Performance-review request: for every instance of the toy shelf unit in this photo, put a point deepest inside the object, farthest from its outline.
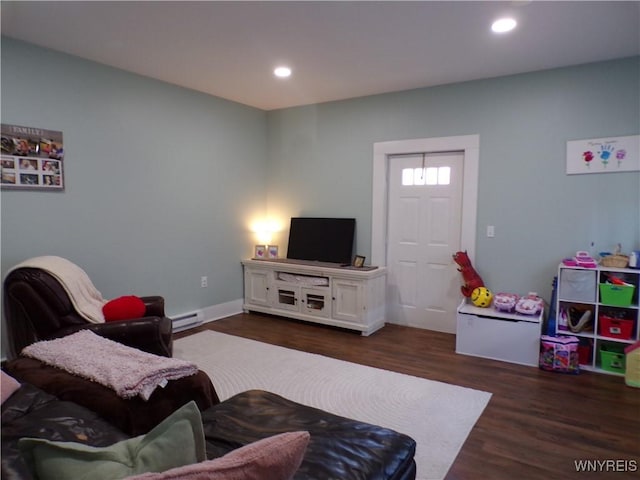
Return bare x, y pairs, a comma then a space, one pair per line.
498, 335
605, 317
344, 297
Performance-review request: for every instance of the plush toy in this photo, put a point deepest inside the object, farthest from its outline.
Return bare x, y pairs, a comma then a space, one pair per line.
471, 278
505, 302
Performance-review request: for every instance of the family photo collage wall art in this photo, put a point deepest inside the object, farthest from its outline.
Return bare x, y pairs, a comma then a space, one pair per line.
32, 158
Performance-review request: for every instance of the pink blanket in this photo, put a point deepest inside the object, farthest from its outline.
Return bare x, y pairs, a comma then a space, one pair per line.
127, 371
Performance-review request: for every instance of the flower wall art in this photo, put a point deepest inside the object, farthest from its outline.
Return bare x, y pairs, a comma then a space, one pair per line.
603, 155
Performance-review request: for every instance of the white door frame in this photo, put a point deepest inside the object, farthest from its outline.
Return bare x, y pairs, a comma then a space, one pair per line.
468, 144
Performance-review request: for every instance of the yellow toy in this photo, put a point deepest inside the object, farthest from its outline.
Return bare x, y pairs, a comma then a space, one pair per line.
481, 297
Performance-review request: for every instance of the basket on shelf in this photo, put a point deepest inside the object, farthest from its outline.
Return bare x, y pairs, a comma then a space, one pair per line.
616, 260
616, 295
612, 358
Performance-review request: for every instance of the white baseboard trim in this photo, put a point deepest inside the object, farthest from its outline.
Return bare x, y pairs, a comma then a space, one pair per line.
222, 310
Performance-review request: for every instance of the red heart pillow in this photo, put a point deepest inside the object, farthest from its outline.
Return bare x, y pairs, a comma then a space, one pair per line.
123, 308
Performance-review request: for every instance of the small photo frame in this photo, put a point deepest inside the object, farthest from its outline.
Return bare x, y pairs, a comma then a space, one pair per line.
272, 251
359, 261
261, 252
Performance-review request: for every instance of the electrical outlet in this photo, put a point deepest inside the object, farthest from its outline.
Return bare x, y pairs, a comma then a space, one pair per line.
204, 282
491, 231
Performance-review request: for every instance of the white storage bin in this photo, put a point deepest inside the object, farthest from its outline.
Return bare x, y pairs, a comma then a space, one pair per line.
578, 285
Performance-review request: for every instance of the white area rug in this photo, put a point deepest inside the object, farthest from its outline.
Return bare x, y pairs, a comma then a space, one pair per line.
439, 416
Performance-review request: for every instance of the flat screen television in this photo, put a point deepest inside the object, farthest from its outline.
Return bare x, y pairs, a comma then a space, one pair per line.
321, 239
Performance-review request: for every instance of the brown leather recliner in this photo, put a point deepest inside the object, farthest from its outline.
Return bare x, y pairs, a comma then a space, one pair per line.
37, 307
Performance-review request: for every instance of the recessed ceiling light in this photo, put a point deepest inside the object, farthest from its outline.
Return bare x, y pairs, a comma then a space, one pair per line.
282, 72
503, 25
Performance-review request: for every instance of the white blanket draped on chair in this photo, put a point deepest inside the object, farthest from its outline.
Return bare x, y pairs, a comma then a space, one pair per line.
87, 300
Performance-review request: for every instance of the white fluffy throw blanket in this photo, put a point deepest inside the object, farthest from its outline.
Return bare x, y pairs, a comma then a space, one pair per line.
127, 371
84, 296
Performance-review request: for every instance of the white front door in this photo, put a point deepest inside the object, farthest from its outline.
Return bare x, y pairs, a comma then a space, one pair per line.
424, 230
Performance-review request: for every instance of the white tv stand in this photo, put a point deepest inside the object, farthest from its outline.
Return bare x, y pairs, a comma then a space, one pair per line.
326, 293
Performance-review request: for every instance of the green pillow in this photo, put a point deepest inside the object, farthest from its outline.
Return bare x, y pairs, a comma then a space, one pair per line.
178, 440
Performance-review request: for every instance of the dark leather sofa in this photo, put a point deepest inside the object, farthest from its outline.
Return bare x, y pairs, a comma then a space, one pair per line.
339, 449
30, 412
37, 307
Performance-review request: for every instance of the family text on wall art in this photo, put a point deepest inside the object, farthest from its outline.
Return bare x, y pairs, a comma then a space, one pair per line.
32, 158
603, 155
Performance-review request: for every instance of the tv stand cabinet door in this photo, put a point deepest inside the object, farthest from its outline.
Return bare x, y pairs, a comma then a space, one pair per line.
256, 281
316, 302
287, 297
348, 300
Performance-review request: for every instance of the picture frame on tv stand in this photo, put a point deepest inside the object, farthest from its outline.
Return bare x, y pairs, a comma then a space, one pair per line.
260, 252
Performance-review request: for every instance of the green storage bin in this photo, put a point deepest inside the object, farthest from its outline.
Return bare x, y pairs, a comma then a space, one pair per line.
618, 295
612, 358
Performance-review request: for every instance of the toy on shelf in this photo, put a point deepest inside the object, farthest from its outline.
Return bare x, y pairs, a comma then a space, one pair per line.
584, 260
532, 304
472, 279
481, 297
616, 281
563, 319
505, 302
575, 319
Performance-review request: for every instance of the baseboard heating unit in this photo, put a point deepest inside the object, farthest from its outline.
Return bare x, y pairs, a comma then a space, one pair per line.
187, 320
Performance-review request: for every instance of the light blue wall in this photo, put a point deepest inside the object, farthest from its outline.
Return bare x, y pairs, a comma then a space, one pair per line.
161, 181
320, 162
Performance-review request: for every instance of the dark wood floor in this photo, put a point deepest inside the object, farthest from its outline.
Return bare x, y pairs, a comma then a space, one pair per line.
537, 424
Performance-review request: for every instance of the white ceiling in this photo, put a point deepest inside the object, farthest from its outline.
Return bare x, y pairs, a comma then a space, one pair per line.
337, 49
